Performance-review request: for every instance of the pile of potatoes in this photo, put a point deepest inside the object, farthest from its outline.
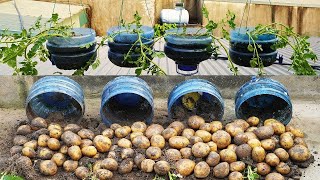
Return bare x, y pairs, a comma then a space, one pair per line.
202, 148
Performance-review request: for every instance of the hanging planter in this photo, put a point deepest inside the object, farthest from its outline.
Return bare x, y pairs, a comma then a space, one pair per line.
73, 52
241, 55
187, 47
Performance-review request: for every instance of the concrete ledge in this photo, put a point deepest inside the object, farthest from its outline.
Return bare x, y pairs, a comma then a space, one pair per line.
14, 89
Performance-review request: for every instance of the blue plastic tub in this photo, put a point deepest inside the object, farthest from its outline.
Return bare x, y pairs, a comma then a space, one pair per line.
125, 35
194, 38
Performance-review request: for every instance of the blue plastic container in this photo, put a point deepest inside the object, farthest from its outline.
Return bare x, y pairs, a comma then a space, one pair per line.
125, 100
264, 98
82, 36
55, 94
214, 108
126, 35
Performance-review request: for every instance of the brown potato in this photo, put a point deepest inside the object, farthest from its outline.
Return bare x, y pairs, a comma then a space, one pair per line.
274, 176
104, 174
20, 140
251, 129
238, 166
161, 168
213, 146
178, 142
86, 134
48, 168
195, 122
122, 132
75, 153
232, 147
272, 159
124, 143
178, 126
213, 159
158, 141
42, 140
253, 121
29, 152
235, 176
54, 126
201, 170
70, 166
32, 144
221, 170
206, 127
108, 132
258, 154
96, 166
300, 141
138, 159
188, 133
277, 126
227, 155
251, 135
283, 168
204, 135
53, 144
147, 165
82, 172
299, 153
195, 139
295, 131
63, 149
72, 127
59, 159
263, 168
70, 138
135, 134
282, 154
115, 126
200, 150
127, 153
89, 151
110, 164
254, 143
185, 167
234, 129
216, 125
268, 144
141, 142
55, 133
243, 151
186, 152
85, 142
240, 138
139, 126
25, 161
153, 153
45, 153
173, 154
286, 141
125, 166
242, 123
38, 123
153, 129
264, 132
102, 143
169, 133
221, 138
15, 150
24, 130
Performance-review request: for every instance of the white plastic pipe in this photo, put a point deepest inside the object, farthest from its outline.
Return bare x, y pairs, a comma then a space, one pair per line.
171, 16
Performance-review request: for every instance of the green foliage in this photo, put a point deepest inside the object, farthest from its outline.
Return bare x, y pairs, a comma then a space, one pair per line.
251, 174
6, 176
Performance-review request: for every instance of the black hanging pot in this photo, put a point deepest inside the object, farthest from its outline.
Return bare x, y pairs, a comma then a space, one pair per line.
73, 52
187, 47
239, 53
124, 40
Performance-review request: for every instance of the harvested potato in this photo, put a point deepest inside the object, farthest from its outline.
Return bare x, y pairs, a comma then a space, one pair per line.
263, 168
253, 121
24, 130
282, 154
54, 126
299, 153
254, 143
24, 160
158, 141
283, 168
125, 166
89, 151
277, 126
82, 172
295, 131
147, 165
173, 154
221, 170
300, 141
108, 132
59, 159
161, 168
186, 153
178, 126
127, 153
234, 129
72, 127
15, 150
63, 149
251, 135
70, 166
153, 129
55, 133
53, 144
195, 139
238, 166
232, 147
75, 153
141, 142
169, 133
240, 138
213, 146
221, 138
96, 166
216, 125
42, 140
195, 121
112, 154
86, 134
70, 138
110, 164
201, 170
235, 176
258, 154
48, 168
264, 132
286, 141
242, 123
185, 167
115, 126
274, 176
102, 143
213, 159
178, 142
135, 134
268, 144
45, 153
32, 144
124, 143
85, 142
200, 150
104, 174
206, 127
20, 140
139, 127
29, 152
227, 155
153, 153
188, 133
138, 159
272, 159
38, 123
122, 132
243, 151
204, 135
251, 129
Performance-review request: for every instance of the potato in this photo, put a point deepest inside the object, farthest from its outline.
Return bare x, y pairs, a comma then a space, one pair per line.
82, 172
204, 135
124, 143
15, 150
185, 167
153, 153
139, 127
104, 174
299, 153
54, 126
138, 159
19, 140
70, 138
274, 176
63, 149
135, 134
112, 154
161, 168
29, 152
227, 155
72, 127
125, 166
178, 126
141, 142
286, 141
268, 144
195, 139
70, 166
234, 129
238, 166
243, 151
240, 138
213, 159
96, 166
200, 150
188, 133
32, 144
235, 176
178, 142
201, 170
89, 151
59, 159
251, 129
45, 153
169, 133
115, 126
55, 133
122, 132
173, 154
38, 123
158, 141
295, 131
264, 132
300, 141
254, 143
282, 154
232, 147
86, 134
85, 142
48, 168
206, 127
283, 168
213, 146
24, 130
221, 138
153, 129
272, 159
186, 153
127, 153
242, 123
216, 125
147, 165
253, 121
75, 153
277, 126
195, 121
108, 132
110, 164
263, 168
53, 144
25, 161
97, 156
258, 154
221, 170
251, 135
42, 140
102, 143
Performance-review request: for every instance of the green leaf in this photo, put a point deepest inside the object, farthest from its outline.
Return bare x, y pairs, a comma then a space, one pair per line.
11, 177
138, 71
